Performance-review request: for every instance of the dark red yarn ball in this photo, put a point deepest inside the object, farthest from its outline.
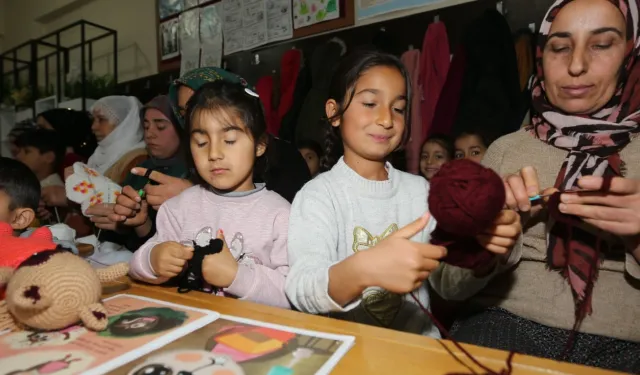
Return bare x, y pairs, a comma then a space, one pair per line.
465, 198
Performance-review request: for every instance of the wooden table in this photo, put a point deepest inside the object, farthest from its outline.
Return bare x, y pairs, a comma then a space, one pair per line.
376, 350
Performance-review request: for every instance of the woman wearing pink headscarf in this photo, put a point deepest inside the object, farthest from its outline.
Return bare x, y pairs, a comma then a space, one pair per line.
573, 287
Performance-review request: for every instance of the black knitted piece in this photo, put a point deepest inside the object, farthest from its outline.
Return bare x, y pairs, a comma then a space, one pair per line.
192, 278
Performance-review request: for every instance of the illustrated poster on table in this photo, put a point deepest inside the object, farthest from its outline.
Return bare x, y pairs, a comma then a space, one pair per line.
137, 326
236, 346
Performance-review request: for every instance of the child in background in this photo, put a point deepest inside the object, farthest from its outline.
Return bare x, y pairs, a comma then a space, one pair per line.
19, 194
42, 151
471, 145
434, 152
359, 233
311, 152
227, 131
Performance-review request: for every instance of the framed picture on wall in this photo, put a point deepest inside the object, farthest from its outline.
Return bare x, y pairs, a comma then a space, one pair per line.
312, 17
169, 35
168, 8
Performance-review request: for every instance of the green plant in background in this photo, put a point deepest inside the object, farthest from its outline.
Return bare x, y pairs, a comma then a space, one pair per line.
96, 86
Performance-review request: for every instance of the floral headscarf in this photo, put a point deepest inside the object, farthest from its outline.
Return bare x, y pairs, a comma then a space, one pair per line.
594, 142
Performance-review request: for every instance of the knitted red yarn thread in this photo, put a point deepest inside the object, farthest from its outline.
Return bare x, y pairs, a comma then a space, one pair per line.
465, 198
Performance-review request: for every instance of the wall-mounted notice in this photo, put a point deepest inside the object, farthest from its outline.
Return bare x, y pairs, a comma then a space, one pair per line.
211, 35
372, 8
309, 12
279, 24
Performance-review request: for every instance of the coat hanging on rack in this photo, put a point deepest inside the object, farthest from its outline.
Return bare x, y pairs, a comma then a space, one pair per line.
491, 88
411, 61
289, 70
310, 122
434, 67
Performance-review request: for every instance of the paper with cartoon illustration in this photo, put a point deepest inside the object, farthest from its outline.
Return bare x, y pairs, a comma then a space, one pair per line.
137, 326
309, 12
237, 346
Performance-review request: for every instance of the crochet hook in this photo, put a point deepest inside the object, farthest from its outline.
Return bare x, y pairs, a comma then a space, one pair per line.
147, 176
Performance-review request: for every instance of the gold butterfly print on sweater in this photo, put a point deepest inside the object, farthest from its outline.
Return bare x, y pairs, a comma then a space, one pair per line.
381, 305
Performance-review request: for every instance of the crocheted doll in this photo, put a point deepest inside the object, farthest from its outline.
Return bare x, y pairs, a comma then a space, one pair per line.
465, 198
49, 288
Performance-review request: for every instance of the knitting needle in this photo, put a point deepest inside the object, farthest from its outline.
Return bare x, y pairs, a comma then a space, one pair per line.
540, 196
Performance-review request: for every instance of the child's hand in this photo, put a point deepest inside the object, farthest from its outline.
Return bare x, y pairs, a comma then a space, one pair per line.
130, 209
54, 196
503, 234
220, 269
43, 213
168, 258
100, 216
400, 265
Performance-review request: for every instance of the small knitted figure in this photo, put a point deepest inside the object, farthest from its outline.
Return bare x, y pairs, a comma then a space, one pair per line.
52, 288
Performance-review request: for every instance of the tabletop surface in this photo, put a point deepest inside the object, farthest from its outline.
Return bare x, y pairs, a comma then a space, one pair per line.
376, 350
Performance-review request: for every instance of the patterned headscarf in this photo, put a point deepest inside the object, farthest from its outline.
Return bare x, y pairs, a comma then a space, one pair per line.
594, 142
195, 79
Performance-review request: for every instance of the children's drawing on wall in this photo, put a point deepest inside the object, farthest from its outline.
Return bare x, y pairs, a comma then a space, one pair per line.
273, 351
188, 361
168, 8
27, 340
146, 321
169, 38
309, 12
46, 363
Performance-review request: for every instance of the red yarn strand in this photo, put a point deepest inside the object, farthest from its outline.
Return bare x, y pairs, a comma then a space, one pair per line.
448, 336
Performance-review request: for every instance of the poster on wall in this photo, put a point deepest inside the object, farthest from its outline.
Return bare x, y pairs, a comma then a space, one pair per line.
371, 8
279, 24
211, 35
169, 38
188, 4
189, 40
168, 8
309, 12
254, 23
232, 26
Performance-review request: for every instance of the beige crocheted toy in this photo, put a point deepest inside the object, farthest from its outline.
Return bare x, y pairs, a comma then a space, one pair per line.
55, 289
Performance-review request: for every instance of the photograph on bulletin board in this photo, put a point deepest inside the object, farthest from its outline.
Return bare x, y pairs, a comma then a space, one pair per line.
188, 4
310, 12
169, 38
168, 8
371, 8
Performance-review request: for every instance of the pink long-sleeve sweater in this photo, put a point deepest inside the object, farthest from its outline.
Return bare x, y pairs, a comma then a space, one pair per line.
254, 224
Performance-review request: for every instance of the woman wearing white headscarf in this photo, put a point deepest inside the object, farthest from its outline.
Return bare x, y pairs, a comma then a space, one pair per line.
118, 130
117, 127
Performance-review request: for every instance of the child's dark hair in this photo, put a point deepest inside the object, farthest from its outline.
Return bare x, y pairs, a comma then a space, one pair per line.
484, 136
44, 141
311, 145
229, 97
443, 141
342, 88
20, 184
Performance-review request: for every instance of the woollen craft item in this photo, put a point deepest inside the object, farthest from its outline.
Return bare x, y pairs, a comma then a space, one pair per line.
15, 250
55, 289
87, 187
465, 198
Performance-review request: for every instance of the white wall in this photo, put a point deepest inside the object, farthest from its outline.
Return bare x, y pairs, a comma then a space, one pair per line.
134, 20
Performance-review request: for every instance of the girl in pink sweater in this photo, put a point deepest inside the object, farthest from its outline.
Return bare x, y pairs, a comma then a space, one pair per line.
227, 131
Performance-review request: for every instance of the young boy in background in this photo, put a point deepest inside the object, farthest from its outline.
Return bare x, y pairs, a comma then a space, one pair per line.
19, 194
42, 151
